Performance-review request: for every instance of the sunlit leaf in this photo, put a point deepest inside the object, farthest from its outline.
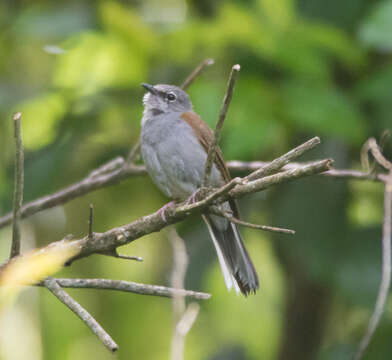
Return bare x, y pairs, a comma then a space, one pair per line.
97, 61
278, 12
125, 21
31, 268
40, 118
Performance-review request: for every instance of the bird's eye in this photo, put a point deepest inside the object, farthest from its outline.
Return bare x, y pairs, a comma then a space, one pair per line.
171, 96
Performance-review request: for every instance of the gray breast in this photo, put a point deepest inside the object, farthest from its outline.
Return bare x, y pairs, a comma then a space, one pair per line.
173, 156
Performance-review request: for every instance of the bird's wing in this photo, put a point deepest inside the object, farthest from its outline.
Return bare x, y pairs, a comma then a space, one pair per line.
205, 136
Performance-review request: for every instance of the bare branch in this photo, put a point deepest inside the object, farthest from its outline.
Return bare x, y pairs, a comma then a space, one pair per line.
222, 116
83, 187
386, 270
284, 176
82, 313
106, 242
92, 183
281, 161
234, 220
195, 73
18, 185
129, 286
244, 166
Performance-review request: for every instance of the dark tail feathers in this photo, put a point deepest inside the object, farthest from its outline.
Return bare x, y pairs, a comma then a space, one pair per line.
237, 267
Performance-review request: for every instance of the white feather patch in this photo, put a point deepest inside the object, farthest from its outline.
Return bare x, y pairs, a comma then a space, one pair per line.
228, 277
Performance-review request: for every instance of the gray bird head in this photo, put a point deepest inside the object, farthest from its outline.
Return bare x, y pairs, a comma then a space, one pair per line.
165, 98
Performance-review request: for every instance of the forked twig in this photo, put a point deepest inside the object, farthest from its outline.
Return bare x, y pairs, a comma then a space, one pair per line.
81, 312
281, 161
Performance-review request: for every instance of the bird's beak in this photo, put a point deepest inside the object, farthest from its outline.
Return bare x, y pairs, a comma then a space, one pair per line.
150, 88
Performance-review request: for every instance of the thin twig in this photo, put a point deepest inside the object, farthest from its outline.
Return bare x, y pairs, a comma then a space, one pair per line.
83, 187
281, 161
245, 166
129, 286
195, 73
284, 176
128, 257
108, 167
222, 116
234, 220
90, 222
386, 270
134, 152
82, 313
115, 254
18, 185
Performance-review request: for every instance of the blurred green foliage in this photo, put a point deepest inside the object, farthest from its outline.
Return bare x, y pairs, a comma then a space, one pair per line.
309, 67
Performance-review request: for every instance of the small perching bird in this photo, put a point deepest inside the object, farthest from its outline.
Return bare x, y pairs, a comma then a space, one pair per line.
174, 147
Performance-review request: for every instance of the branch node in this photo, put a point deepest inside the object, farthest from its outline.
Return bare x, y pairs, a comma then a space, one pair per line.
53, 286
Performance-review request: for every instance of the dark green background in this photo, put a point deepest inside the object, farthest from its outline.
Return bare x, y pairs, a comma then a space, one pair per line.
309, 67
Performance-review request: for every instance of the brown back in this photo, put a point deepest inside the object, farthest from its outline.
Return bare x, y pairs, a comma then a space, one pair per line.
205, 136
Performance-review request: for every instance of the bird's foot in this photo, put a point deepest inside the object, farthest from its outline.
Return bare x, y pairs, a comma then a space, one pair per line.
194, 197
162, 210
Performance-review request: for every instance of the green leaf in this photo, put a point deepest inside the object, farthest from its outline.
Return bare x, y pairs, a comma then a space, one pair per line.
97, 61
278, 12
323, 111
40, 118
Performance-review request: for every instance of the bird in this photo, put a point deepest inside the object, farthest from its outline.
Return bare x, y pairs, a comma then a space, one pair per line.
174, 143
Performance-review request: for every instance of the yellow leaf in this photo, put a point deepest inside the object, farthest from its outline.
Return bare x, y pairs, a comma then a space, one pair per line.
33, 267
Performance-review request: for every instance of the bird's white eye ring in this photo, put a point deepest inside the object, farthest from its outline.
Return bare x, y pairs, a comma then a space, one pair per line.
171, 96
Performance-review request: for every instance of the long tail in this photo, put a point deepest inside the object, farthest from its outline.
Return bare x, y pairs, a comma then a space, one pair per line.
237, 267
